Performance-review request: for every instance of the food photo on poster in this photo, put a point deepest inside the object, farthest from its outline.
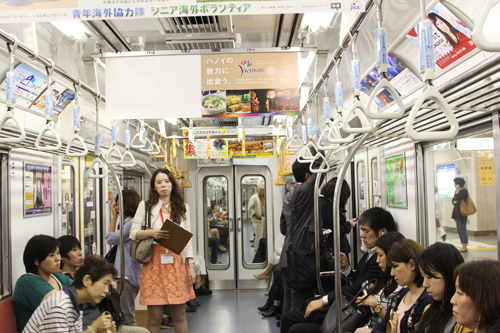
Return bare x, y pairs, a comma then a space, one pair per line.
452, 38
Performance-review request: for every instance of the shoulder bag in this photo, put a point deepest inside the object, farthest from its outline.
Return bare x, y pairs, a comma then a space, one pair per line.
467, 207
111, 304
142, 250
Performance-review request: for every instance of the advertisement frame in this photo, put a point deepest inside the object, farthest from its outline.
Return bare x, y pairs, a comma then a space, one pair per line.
403, 205
24, 191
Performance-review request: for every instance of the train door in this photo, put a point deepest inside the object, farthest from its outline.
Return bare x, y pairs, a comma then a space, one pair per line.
472, 159
235, 231
362, 190
69, 208
376, 197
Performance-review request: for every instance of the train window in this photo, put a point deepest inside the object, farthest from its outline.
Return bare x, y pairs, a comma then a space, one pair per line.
253, 217
375, 183
471, 159
132, 182
217, 223
362, 188
68, 195
89, 215
5, 270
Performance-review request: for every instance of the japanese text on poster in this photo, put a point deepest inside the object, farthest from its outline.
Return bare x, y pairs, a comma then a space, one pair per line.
199, 148
37, 190
395, 172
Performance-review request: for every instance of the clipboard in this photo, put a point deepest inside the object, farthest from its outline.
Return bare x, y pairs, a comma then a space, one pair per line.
179, 237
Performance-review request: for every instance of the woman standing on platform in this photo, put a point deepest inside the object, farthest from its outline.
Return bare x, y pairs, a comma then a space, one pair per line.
460, 194
168, 278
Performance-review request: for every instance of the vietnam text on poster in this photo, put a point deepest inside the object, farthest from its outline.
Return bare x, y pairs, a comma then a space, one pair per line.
17, 11
37, 189
395, 172
452, 39
256, 84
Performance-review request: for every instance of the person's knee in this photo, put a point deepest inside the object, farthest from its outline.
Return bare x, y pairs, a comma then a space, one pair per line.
178, 312
155, 314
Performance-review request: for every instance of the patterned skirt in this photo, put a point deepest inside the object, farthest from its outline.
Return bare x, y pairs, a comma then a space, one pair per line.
165, 284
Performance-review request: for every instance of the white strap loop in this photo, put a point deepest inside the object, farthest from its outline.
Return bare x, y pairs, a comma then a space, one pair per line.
334, 135
78, 138
97, 162
48, 128
382, 114
10, 116
485, 36
367, 125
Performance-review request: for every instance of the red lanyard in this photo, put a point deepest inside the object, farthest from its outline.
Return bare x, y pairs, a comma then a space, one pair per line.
162, 219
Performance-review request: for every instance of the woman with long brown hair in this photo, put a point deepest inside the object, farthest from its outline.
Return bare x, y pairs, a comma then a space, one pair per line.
168, 278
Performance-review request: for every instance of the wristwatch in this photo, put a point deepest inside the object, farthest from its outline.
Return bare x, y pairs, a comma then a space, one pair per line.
377, 308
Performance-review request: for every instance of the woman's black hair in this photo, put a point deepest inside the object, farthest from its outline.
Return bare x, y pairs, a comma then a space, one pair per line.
38, 247
387, 283
94, 266
453, 30
131, 200
329, 189
439, 258
459, 181
66, 245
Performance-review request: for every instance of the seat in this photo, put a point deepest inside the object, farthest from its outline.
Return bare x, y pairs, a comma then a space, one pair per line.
7, 316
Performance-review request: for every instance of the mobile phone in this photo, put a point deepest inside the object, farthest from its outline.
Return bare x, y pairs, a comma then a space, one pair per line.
327, 231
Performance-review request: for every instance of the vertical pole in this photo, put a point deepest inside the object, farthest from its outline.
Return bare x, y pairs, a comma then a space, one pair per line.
336, 227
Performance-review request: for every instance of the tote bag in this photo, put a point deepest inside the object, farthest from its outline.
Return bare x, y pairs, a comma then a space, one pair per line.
467, 207
142, 250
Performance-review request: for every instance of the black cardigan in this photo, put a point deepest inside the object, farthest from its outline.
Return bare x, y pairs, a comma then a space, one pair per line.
326, 210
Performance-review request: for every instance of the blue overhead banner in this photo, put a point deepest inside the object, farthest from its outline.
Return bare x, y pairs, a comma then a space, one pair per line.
17, 11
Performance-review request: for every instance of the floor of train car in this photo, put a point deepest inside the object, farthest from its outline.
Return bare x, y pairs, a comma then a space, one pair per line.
227, 311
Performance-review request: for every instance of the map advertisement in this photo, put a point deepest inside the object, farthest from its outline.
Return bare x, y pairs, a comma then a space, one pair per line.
395, 172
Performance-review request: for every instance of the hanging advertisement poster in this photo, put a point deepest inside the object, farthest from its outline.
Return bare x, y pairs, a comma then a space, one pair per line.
400, 76
256, 84
62, 97
37, 190
452, 39
29, 84
199, 148
254, 147
395, 172
18, 11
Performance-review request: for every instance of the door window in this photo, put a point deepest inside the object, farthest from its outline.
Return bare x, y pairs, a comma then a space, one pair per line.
253, 220
375, 183
68, 197
89, 214
216, 224
471, 161
362, 188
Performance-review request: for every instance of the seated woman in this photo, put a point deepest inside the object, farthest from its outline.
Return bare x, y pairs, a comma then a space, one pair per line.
42, 262
437, 263
386, 288
476, 303
408, 305
60, 312
71, 255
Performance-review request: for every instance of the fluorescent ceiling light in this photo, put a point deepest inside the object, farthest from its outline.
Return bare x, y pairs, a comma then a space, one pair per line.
72, 28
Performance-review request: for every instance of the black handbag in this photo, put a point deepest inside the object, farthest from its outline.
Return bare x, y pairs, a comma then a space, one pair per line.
111, 255
353, 316
111, 304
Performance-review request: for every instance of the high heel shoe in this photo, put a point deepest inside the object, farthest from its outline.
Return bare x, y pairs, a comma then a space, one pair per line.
268, 276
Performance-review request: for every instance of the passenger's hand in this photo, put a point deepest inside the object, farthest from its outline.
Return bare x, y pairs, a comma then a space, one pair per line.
160, 234
192, 274
113, 328
115, 210
114, 285
258, 216
353, 222
363, 330
344, 263
367, 301
103, 323
313, 306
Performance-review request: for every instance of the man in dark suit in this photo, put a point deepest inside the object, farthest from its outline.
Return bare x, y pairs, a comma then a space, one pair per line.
374, 223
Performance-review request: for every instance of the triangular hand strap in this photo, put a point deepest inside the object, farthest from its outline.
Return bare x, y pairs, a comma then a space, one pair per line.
114, 149
155, 149
305, 155
486, 39
294, 144
324, 143
334, 133
131, 162
431, 93
324, 167
70, 145
139, 145
48, 128
92, 174
381, 114
358, 109
6, 117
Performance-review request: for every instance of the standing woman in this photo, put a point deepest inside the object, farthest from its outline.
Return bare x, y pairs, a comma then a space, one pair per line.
437, 263
168, 278
460, 194
131, 200
326, 209
476, 303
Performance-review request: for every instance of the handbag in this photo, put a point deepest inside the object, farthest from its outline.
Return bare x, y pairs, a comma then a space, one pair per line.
142, 250
467, 207
111, 255
111, 304
353, 316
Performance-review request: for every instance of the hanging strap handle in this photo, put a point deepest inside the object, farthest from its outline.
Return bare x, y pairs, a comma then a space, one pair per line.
486, 39
76, 128
334, 135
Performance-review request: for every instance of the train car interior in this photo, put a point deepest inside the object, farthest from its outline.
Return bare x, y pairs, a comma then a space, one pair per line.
398, 98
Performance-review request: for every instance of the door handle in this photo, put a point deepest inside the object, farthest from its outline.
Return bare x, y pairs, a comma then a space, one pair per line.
231, 227
239, 224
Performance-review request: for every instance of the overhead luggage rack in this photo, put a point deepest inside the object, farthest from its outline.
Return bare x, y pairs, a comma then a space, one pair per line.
9, 131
